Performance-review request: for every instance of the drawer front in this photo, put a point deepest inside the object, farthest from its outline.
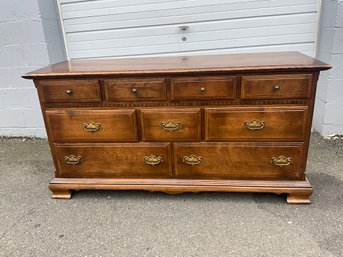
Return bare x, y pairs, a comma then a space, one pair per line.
171, 124
202, 88
255, 123
239, 160
135, 89
276, 86
69, 90
92, 125
113, 160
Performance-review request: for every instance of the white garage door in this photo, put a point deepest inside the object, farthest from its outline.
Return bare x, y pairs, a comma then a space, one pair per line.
118, 28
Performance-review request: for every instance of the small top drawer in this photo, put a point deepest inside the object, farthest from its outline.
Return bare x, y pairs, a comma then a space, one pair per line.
135, 89
202, 88
276, 86
68, 90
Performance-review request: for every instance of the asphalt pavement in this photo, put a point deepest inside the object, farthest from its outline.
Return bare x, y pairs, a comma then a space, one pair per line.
138, 223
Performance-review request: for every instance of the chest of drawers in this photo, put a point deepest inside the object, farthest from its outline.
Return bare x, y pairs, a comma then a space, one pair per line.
229, 123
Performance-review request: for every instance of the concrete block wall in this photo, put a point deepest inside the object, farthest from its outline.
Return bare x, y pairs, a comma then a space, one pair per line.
29, 39
328, 116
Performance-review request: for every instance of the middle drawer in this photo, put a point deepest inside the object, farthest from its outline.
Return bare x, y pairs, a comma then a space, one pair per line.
171, 124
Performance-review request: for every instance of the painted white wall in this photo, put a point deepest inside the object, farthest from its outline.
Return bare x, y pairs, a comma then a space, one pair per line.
328, 116
29, 39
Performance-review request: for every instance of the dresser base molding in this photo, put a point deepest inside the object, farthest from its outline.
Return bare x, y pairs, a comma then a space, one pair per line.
60, 193
298, 192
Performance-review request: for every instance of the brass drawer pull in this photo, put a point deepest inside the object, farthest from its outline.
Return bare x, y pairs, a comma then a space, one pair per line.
170, 125
254, 125
202, 90
134, 90
91, 127
153, 160
72, 159
281, 161
192, 159
69, 92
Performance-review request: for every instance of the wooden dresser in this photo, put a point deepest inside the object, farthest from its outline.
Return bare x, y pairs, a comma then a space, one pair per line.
230, 123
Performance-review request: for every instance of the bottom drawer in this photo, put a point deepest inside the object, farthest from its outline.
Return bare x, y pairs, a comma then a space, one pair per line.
113, 160
239, 160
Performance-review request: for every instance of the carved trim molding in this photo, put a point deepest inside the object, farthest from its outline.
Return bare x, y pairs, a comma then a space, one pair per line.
186, 103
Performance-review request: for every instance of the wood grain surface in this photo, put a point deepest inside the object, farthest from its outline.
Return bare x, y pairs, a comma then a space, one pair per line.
278, 61
71, 125
277, 123
113, 160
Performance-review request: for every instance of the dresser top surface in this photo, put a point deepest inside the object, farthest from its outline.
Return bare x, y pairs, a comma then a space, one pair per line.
249, 62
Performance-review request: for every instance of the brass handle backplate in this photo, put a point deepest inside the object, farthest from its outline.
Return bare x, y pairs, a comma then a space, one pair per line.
91, 127
192, 159
153, 160
254, 125
72, 159
170, 125
281, 161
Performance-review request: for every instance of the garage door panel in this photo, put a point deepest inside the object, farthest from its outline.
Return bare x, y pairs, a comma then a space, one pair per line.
110, 22
308, 19
112, 7
112, 28
306, 48
74, 13
182, 47
221, 34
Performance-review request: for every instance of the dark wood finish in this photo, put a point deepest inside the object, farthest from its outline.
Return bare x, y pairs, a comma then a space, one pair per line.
68, 90
205, 64
108, 160
135, 89
71, 125
276, 86
260, 133
298, 191
60, 193
281, 123
200, 88
238, 160
187, 122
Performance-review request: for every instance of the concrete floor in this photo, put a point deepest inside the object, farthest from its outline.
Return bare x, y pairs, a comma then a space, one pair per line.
109, 223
